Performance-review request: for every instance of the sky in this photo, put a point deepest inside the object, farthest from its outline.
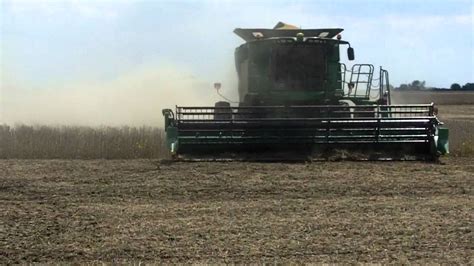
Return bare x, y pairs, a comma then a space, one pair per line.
121, 62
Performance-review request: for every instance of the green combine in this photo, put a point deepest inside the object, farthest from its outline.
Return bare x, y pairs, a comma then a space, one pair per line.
298, 101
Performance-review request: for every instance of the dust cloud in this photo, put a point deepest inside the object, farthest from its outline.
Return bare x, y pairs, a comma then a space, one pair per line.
135, 98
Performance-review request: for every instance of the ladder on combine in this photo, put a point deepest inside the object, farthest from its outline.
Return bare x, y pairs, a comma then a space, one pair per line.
362, 84
361, 78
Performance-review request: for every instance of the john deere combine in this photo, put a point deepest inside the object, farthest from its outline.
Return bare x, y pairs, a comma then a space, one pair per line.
297, 100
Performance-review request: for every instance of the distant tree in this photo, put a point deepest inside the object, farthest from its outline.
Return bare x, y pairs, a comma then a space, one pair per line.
468, 87
455, 87
403, 87
417, 85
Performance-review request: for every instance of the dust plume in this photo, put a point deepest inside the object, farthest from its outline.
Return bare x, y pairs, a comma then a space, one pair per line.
135, 98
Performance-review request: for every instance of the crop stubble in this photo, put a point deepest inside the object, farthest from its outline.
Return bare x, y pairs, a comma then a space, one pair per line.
144, 210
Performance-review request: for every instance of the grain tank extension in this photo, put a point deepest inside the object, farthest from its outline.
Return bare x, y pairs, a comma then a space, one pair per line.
298, 100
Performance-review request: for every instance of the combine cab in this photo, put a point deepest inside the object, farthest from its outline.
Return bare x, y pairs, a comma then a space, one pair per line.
298, 101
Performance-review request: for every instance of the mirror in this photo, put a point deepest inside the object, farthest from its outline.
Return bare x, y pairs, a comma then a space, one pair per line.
350, 53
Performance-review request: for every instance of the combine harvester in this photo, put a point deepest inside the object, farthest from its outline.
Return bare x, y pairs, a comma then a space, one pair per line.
298, 101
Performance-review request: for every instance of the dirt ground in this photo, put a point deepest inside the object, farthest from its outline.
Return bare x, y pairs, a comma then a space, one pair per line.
143, 210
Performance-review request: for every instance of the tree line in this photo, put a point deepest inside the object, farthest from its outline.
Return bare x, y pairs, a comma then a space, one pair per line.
421, 85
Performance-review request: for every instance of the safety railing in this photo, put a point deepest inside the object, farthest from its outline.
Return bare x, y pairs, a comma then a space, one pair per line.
415, 123
303, 112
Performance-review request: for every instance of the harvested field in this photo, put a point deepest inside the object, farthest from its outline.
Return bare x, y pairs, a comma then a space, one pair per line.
438, 97
460, 121
143, 210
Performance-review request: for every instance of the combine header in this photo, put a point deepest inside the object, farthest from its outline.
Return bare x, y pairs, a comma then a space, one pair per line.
298, 101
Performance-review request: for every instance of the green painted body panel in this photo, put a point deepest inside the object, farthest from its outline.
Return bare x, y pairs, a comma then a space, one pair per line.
259, 78
443, 140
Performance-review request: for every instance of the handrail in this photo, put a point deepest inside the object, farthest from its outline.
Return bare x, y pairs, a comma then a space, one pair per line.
308, 106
